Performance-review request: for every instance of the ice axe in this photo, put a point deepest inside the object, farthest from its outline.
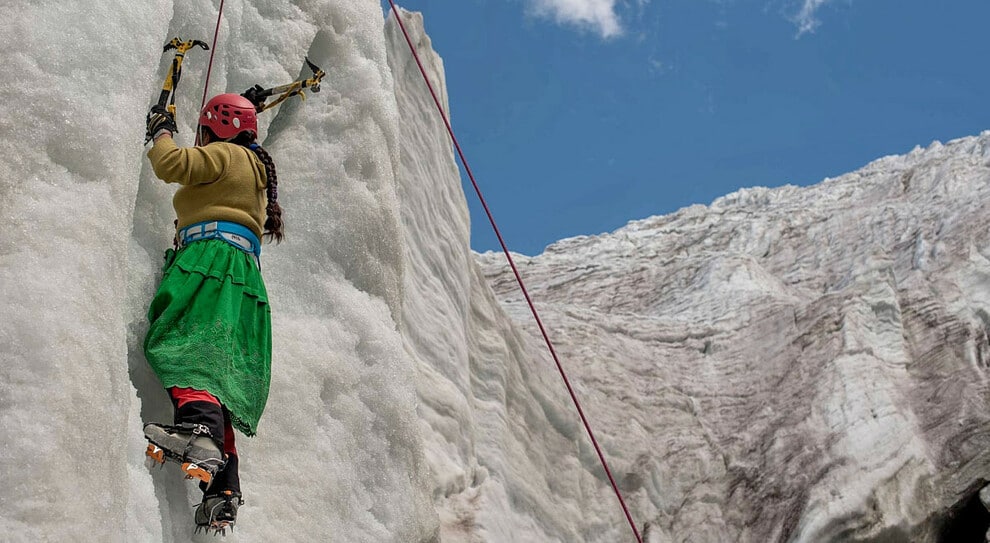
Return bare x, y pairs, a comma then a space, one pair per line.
175, 70
257, 94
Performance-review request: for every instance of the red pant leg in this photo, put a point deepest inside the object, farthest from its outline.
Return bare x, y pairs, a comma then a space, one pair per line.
228, 435
182, 396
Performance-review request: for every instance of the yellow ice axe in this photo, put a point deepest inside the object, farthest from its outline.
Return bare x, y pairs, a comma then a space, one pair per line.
257, 94
175, 72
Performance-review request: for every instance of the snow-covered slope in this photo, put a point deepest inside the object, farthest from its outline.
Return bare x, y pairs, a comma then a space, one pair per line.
789, 364
795, 364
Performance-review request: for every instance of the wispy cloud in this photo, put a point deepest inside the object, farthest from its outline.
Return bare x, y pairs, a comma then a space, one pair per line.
597, 15
805, 18
602, 18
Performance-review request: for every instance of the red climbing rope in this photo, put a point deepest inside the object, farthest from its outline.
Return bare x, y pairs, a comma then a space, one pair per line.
209, 69
519, 280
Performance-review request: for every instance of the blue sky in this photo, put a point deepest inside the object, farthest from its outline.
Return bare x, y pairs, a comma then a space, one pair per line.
578, 116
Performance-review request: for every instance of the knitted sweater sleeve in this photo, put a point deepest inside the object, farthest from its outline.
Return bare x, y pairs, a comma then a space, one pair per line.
188, 165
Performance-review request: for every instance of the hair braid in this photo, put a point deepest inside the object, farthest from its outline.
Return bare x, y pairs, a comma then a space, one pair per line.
273, 225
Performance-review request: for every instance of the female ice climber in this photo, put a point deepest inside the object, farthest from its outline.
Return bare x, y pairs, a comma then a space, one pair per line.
210, 336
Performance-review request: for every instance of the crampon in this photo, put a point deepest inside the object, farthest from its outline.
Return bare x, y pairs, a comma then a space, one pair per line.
218, 513
171, 443
191, 470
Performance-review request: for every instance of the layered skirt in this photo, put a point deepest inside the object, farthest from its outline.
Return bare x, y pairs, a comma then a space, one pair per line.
211, 329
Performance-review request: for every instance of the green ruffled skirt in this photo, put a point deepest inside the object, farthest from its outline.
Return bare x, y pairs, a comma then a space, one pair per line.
211, 329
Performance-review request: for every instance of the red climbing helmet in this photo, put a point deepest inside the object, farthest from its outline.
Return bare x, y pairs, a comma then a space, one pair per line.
227, 115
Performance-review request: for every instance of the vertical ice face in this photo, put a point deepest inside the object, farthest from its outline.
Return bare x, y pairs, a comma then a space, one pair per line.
71, 131
404, 404
508, 458
339, 449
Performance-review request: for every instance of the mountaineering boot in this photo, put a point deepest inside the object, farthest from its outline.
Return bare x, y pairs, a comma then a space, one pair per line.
218, 512
225, 479
191, 445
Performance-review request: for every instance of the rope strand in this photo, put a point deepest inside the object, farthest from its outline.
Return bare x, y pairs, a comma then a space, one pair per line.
515, 271
209, 69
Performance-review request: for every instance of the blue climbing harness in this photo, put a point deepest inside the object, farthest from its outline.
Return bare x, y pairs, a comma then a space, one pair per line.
235, 234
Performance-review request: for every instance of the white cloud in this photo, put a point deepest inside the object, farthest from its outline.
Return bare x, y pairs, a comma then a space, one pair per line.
598, 15
805, 19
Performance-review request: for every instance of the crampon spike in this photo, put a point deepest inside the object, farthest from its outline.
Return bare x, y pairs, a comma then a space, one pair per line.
193, 471
218, 528
221, 528
155, 453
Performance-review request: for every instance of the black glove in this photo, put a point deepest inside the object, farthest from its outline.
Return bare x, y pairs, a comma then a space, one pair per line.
159, 118
255, 95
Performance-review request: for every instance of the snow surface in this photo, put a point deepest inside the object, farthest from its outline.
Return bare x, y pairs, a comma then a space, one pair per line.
786, 364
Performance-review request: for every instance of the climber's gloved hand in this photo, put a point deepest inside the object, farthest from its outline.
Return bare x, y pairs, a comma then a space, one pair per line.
256, 95
160, 120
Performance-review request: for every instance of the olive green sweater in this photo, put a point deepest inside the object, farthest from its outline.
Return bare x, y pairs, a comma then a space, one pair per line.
220, 182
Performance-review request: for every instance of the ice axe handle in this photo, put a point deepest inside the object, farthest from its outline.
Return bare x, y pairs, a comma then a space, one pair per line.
256, 95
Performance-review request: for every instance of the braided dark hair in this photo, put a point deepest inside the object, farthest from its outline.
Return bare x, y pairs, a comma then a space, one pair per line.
273, 225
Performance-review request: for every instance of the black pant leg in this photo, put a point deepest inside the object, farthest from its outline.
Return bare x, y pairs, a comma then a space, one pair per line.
206, 413
227, 478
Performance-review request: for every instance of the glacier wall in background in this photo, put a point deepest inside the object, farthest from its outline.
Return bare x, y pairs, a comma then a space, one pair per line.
795, 364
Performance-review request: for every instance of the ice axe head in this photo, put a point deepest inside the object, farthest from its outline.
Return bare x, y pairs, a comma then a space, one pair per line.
183, 46
317, 75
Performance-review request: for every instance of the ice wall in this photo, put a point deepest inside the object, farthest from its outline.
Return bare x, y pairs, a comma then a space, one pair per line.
71, 130
404, 403
339, 450
509, 459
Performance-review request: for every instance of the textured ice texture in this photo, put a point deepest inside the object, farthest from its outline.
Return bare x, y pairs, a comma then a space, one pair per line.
789, 364
796, 364
340, 455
